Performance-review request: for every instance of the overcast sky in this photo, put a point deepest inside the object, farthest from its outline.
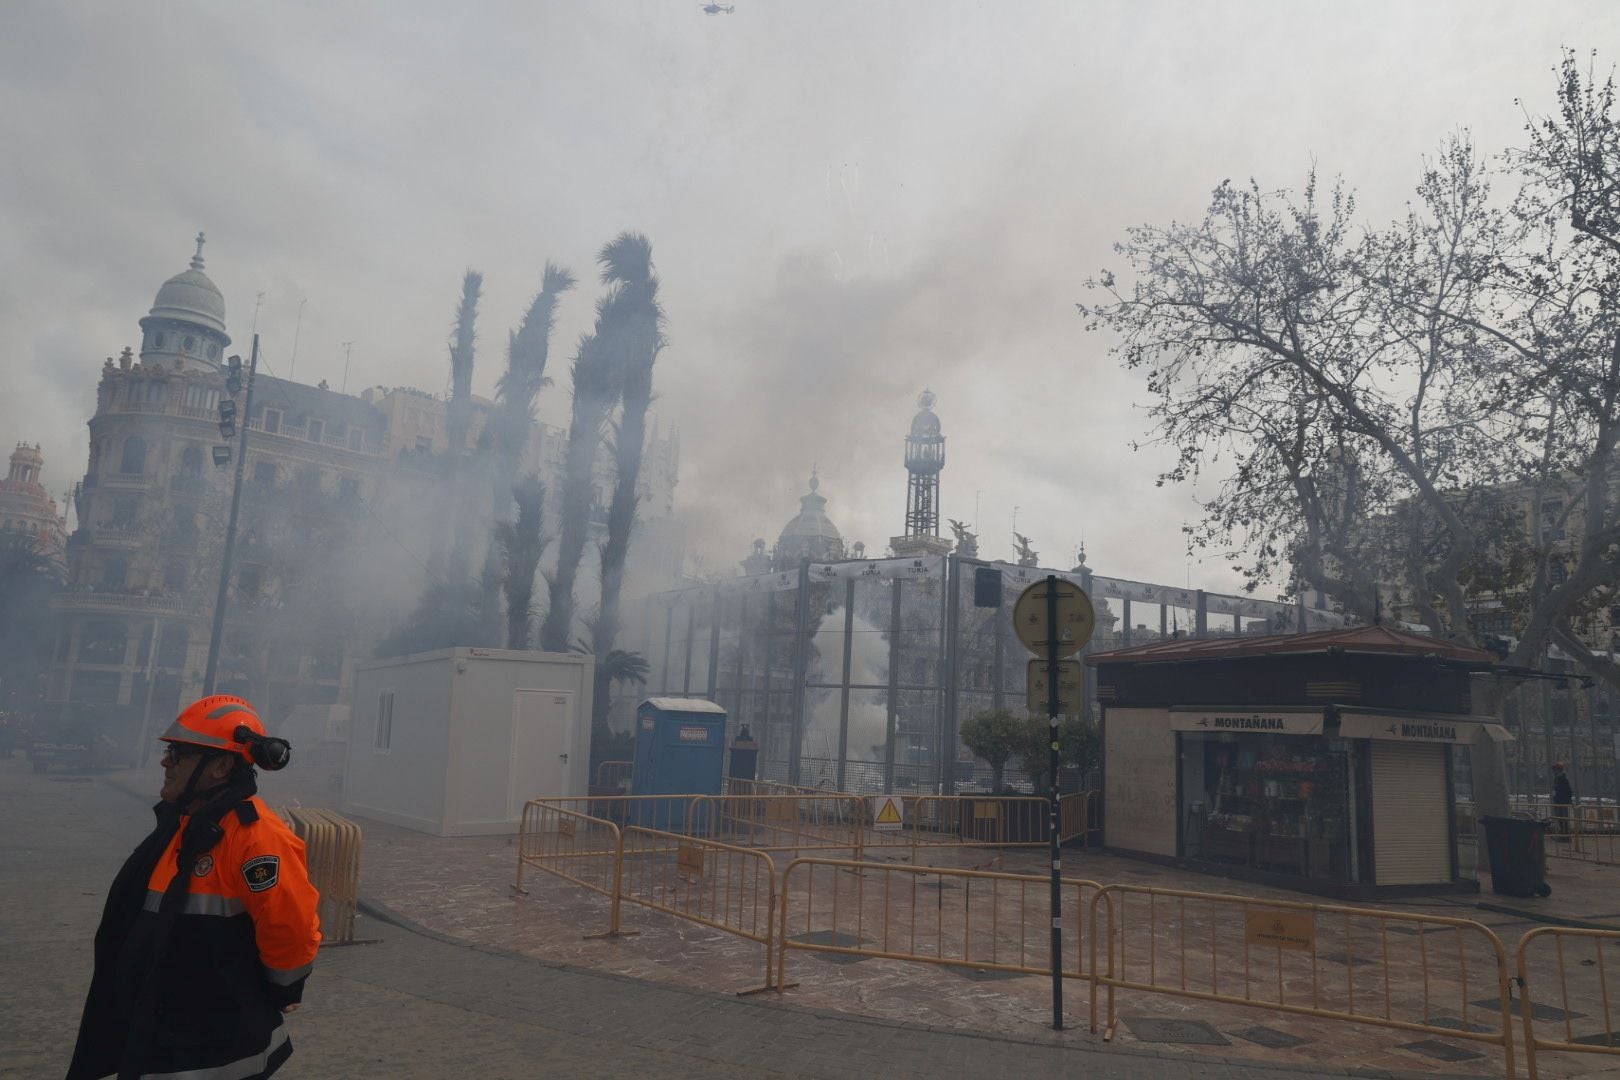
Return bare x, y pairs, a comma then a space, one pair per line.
848, 202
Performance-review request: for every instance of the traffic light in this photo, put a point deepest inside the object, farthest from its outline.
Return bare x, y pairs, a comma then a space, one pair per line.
222, 456
227, 418
233, 375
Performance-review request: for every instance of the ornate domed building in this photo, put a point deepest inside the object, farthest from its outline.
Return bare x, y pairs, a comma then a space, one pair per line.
26, 506
810, 533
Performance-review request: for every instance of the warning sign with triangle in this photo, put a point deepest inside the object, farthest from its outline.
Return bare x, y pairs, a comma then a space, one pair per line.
887, 813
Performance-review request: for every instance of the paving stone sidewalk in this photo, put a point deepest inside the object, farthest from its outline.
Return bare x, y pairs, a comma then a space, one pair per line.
415, 1004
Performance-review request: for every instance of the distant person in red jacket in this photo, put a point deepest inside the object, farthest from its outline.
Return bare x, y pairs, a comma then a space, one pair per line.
210, 928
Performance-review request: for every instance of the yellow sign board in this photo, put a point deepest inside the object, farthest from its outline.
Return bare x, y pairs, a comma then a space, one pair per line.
1280, 929
689, 860
887, 813
1076, 618
1071, 681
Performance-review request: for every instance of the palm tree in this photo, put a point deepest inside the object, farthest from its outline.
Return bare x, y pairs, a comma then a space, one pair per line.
594, 392
458, 418
522, 545
527, 350
638, 337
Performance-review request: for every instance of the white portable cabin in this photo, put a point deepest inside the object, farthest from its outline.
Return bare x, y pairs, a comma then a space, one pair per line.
454, 742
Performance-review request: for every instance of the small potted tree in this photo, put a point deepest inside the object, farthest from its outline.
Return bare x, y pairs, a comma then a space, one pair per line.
996, 735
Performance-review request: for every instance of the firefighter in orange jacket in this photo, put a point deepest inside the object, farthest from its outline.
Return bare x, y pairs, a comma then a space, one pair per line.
210, 929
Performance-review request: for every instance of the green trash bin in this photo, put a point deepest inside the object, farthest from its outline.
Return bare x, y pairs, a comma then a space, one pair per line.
1517, 848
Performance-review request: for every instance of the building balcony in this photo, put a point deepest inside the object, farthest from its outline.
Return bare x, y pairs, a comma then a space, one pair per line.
200, 412
125, 481
92, 601
117, 534
142, 406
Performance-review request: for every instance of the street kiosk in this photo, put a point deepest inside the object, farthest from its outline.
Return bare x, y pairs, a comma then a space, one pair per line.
1322, 762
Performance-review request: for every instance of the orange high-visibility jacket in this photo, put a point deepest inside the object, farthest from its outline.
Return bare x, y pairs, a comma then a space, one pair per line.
240, 949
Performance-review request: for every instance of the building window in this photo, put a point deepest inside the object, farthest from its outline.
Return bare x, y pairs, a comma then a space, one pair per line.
201, 397
191, 463
157, 340
272, 420
1551, 528
249, 581
213, 352
125, 507
357, 438
1556, 572
317, 430
134, 460
189, 343
174, 577
385, 720
172, 647
424, 444
113, 572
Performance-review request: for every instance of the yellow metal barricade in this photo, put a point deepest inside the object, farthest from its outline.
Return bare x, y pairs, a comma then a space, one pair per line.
332, 850
1564, 1023
1078, 818
781, 822
719, 885
1423, 973
670, 812
1582, 835
575, 847
736, 786
963, 918
978, 820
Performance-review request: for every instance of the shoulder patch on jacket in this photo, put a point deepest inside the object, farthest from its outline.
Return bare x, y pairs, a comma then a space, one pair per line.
262, 873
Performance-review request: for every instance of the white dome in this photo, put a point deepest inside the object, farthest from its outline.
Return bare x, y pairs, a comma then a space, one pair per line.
191, 297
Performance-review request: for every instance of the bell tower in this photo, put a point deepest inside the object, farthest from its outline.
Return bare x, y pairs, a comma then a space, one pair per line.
925, 457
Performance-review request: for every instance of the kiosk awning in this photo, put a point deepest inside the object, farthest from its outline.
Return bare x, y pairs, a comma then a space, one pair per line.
1460, 731
1240, 722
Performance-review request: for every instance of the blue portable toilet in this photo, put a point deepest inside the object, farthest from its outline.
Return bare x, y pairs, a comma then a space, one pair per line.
680, 750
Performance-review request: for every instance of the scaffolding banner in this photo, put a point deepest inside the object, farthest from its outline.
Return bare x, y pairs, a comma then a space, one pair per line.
928, 568
783, 581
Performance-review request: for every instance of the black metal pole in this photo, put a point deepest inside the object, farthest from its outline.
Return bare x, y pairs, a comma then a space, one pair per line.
1052, 707
218, 631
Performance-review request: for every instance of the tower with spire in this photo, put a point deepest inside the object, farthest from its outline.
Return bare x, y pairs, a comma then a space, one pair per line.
925, 457
185, 330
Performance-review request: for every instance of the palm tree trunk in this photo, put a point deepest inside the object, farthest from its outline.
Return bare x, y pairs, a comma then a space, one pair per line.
594, 393
638, 337
523, 546
528, 349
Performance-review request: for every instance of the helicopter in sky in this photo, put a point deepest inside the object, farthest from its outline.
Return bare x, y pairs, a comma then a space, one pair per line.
719, 9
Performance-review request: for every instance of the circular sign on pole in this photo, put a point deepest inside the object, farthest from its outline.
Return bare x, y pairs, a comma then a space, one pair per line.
1075, 617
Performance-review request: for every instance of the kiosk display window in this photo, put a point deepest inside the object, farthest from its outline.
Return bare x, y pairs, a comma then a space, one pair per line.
1276, 803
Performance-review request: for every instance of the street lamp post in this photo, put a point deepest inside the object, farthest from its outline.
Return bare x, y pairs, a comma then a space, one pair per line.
212, 671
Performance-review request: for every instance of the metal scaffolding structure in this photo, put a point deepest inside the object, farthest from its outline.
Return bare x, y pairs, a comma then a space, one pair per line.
856, 675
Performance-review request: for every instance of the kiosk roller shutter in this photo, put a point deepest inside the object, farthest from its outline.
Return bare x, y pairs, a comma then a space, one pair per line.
1410, 835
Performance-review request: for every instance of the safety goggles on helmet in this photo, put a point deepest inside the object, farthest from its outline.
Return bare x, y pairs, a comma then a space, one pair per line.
222, 723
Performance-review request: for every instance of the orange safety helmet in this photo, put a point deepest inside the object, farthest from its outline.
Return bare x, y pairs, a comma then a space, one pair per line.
211, 723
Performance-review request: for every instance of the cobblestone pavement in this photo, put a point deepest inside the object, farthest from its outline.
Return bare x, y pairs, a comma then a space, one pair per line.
415, 1004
